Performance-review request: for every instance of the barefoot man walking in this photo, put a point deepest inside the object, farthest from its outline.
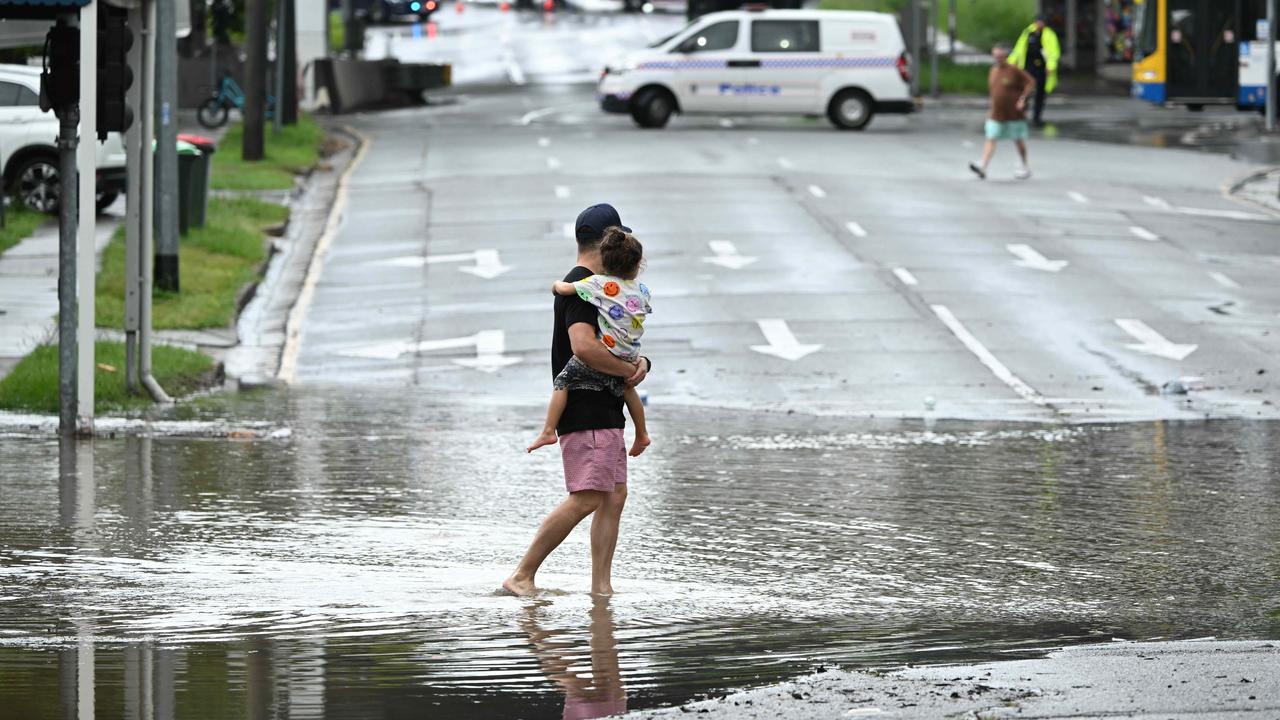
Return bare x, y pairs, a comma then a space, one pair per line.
591, 440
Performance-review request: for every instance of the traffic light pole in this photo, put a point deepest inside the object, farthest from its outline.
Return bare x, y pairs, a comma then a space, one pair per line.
86, 231
68, 111
165, 72
1271, 65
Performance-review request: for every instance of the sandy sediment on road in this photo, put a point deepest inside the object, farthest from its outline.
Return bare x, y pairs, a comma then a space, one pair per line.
1201, 679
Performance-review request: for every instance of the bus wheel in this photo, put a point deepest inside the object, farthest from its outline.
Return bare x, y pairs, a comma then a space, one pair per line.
652, 108
850, 109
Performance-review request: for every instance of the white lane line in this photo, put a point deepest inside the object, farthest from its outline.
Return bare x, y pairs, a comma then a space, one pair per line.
567, 229
997, 368
514, 73
1143, 233
786, 164
562, 192
817, 192
968, 144
1225, 214
532, 115
1223, 280
544, 142
726, 123
1156, 202
1078, 197
553, 163
905, 276
855, 229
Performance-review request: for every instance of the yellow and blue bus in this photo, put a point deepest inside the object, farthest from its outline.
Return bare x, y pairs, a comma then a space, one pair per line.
1201, 52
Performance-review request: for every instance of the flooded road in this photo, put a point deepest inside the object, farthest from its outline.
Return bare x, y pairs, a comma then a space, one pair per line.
348, 570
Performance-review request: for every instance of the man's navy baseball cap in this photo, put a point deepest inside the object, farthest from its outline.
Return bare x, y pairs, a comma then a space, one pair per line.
592, 222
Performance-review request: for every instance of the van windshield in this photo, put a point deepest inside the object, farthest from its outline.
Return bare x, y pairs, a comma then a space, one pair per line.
667, 39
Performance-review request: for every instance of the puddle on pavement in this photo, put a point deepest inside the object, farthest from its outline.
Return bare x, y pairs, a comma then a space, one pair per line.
1234, 135
347, 570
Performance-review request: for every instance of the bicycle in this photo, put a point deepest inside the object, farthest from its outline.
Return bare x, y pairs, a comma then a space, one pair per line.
213, 113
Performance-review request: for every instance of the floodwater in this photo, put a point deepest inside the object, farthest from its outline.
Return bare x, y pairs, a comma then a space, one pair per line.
348, 569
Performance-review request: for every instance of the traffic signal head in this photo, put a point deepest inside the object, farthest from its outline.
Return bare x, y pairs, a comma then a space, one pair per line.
115, 77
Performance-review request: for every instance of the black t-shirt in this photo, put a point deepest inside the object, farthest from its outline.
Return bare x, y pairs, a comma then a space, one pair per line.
1035, 49
586, 409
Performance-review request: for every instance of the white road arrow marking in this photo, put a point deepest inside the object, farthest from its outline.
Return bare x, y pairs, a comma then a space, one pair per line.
1223, 280
782, 343
726, 255
1141, 232
1152, 342
1028, 257
489, 344
488, 264
490, 357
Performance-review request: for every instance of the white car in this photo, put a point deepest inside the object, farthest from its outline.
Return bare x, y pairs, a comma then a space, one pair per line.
29, 151
847, 65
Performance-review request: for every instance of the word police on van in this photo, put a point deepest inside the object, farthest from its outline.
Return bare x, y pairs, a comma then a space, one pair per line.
848, 65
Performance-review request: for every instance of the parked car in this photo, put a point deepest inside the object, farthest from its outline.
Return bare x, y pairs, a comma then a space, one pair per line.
384, 11
28, 146
847, 65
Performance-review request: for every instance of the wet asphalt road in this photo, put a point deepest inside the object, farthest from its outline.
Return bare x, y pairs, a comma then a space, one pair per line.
796, 268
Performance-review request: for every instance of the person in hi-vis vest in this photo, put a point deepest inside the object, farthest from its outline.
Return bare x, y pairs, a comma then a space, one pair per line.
1037, 52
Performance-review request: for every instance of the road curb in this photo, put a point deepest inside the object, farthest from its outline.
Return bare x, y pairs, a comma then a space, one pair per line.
266, 324
286, 371
1258, 188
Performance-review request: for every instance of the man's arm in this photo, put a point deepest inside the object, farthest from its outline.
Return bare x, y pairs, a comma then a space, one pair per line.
582, 338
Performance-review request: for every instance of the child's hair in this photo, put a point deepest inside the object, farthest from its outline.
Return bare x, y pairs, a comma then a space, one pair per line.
621, 253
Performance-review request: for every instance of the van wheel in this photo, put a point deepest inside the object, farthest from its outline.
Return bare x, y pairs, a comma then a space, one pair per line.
850, 109
652, 108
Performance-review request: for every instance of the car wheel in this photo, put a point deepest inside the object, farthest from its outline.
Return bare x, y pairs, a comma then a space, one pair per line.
652, 108
212, 113
105, 199
850, 109
37, 184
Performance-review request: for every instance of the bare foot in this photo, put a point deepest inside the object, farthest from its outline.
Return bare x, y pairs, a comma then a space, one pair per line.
548, 437
603, 592
518, 587
642, 442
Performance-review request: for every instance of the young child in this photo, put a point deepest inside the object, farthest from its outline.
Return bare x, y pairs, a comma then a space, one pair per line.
623, 304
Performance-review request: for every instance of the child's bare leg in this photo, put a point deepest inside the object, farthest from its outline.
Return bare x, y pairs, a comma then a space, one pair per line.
555, 408
636, 407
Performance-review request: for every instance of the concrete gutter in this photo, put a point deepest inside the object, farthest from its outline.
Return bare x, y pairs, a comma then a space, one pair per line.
1150, 679
1261, 188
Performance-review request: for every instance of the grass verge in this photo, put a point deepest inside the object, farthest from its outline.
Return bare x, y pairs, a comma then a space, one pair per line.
980, 23
956, 79
291, 150
33, 384
217, 261
19, 223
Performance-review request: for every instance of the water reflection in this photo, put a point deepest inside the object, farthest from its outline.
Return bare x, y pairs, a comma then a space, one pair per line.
348, 571
593, 691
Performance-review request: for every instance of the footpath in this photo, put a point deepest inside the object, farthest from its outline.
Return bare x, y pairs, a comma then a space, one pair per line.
1189, 679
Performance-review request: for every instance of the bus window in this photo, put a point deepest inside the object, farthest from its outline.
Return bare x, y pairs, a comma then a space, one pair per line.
1147, 31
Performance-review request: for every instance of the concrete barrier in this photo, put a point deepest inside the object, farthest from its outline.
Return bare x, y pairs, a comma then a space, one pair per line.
360, 84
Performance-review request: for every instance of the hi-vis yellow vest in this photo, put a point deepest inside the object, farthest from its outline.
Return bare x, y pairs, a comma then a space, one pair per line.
1049, 47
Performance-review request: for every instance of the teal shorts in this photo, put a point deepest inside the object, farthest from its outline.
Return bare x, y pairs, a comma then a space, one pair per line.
1008, 130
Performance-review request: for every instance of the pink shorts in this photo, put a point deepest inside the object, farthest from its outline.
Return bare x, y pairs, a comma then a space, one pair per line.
594, 459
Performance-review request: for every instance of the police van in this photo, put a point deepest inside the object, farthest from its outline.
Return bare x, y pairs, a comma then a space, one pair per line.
847, 65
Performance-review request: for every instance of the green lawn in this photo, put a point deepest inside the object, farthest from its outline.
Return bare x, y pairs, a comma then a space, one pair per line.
33, 384
956, 79
19, 223
216, 262
288, 152
980, 23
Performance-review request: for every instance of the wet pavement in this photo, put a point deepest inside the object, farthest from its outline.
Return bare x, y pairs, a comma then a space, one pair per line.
347, 569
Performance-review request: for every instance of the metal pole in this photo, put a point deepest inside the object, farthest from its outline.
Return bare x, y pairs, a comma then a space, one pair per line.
917, 58
933, 47
1271, 66
166, 181
134, 200
86, 231
69, 125
287, 102
951, 30
277, 121
255, 44
146, 210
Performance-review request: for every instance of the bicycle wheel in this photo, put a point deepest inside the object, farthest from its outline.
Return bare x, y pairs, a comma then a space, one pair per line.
212, 113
